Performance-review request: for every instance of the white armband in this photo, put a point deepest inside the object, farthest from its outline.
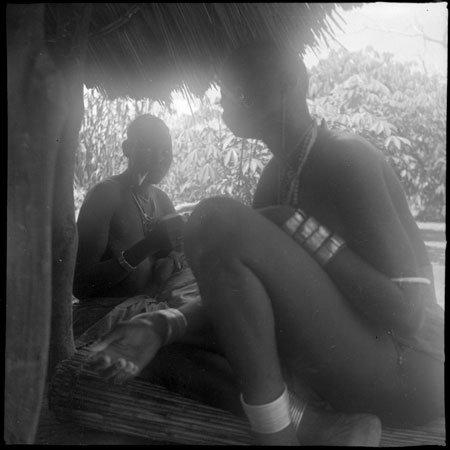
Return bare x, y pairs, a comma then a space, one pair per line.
412, 280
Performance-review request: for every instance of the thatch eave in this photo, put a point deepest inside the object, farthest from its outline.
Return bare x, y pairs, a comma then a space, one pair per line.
147, 50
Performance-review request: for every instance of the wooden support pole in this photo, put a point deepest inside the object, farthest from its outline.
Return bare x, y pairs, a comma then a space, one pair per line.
69, 51
36, 111
45, 109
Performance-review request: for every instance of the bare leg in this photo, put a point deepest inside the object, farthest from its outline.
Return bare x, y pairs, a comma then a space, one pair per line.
196, 373
267, 290
268, 300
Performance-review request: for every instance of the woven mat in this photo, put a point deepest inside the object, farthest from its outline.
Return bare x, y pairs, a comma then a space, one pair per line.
430, 434
151, 412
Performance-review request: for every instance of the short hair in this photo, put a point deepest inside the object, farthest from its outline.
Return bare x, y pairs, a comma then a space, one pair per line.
144, 126
260, 57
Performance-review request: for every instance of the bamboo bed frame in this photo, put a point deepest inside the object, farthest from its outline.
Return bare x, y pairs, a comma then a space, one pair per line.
145, 410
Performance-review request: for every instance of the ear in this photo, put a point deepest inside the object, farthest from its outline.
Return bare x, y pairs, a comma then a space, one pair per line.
126, 148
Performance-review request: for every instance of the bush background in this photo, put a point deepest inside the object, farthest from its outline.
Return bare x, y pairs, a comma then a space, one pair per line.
399, 109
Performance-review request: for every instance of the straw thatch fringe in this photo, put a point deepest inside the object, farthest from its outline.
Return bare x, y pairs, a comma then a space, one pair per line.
139, 408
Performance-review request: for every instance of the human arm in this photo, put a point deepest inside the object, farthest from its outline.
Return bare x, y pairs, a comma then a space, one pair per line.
94, 220
93, 272
378, 247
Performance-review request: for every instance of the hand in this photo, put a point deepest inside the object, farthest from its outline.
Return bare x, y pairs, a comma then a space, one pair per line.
163, 270
166, 267
126, 350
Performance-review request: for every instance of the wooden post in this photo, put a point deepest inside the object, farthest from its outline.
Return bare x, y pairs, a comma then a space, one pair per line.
69, 51
45, 109
36, 112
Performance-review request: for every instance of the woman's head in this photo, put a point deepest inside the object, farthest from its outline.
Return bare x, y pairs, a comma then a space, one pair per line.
148, 147
255, 80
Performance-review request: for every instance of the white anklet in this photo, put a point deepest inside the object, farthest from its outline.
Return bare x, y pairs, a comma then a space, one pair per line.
269, 417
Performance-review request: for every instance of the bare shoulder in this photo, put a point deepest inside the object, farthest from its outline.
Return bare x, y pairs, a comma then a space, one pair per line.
110, 188
346, 156
352, 149
106, 194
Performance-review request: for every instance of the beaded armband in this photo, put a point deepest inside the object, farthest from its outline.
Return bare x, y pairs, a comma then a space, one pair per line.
332, 246
293, 223
125, 264
315, 238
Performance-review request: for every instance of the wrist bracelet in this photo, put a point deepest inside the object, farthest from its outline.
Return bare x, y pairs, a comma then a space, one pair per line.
315, 238
125, 264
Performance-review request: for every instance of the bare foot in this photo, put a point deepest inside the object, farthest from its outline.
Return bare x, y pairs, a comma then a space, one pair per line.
339, 429
125, 351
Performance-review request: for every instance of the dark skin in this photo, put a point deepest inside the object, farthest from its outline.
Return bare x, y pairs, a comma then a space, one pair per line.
281, 308
373, 217
109, 222
346, 185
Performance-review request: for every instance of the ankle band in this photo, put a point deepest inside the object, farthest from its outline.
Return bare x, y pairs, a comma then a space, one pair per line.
174, 319
269, 417
297, 409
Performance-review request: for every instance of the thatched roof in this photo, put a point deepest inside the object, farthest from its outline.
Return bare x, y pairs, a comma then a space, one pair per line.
149, 49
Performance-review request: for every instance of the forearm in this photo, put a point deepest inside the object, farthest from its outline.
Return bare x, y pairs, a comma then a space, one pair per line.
188, 324
370, 291
91, 281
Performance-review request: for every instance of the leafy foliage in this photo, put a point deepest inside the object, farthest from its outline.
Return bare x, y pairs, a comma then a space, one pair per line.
103, 130
208, 159
399, 110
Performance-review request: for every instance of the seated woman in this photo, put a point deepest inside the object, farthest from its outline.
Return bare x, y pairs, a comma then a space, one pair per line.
130, 260
324, 287
119, 244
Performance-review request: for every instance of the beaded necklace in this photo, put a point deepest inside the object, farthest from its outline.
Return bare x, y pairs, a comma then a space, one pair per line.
147, 221
292, 168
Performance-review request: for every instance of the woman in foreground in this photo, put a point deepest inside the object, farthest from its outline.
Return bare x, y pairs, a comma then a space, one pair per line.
322, 292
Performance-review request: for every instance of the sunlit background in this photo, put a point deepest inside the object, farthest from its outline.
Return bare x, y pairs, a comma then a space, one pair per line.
410, 31
210, 160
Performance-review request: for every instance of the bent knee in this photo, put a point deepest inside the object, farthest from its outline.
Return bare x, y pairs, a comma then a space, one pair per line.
215, 225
